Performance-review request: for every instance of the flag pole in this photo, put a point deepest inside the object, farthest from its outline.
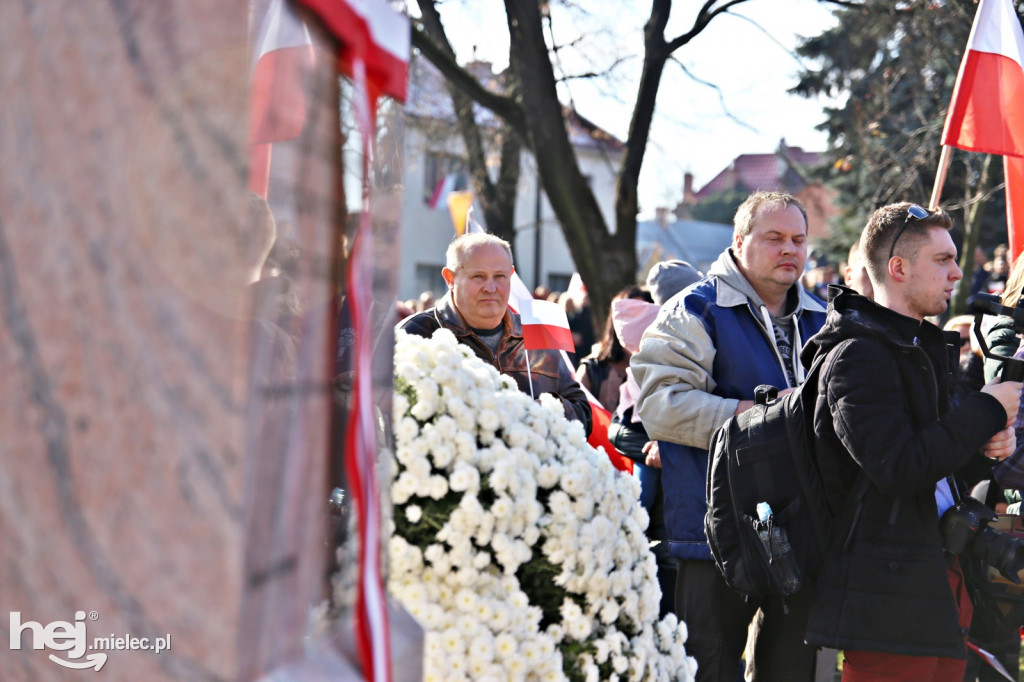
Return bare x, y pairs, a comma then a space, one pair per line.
940, 176
529, 374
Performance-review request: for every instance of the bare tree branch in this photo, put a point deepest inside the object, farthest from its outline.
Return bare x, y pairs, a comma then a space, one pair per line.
845, 3
506, 108
718, 91
704, 17
772, 38
594, 74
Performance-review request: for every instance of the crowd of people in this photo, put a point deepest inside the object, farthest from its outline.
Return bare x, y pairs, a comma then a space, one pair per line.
911, 409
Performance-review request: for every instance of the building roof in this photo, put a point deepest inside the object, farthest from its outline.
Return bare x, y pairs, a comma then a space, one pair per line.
585, 133
783, 170
695, 241
429, 98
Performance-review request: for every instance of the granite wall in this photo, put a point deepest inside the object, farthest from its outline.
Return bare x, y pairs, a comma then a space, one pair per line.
163, 419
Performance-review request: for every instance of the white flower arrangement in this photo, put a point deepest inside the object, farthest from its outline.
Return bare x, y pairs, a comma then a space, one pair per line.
517, 546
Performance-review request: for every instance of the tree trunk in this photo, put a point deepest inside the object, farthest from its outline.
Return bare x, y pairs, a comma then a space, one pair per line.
497, 200
606, 262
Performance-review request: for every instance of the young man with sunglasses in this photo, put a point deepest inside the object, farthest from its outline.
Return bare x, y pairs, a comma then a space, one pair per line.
890, 442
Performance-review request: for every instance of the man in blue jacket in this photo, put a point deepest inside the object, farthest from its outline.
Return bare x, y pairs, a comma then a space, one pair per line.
698, 364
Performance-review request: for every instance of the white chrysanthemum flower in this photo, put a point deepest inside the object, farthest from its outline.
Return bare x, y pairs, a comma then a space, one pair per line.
438, 487
413, 513
488, 420
497, 453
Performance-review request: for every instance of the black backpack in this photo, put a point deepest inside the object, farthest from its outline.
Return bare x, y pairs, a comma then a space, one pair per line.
766, 454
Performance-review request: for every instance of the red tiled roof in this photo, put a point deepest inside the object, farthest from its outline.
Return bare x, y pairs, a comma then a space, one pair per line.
779, 171
586, 133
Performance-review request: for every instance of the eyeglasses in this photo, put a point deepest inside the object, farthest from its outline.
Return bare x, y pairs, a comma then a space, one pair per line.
913, 211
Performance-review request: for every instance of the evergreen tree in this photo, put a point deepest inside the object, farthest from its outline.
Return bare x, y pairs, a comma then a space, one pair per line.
896, 64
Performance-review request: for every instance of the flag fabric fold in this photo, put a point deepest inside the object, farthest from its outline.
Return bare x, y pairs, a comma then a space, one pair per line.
373, 34
545, 325
444, 186
460, 207
986, 111
283, 57
1013, 171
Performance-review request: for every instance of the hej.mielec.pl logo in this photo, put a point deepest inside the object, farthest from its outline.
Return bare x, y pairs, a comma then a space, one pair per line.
71, 637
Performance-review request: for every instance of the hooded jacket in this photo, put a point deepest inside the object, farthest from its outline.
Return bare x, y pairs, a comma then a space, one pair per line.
884, 407
547, 373
711, 345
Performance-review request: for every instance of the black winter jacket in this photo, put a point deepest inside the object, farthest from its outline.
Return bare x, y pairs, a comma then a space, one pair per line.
548, 372
884, 407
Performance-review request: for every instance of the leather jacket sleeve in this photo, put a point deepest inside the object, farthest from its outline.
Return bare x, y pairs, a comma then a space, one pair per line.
577, 407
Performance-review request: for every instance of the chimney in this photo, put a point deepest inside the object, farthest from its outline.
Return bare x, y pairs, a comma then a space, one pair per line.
688, 193
661, 215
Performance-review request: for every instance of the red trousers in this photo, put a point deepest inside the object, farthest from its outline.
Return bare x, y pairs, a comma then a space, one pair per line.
875, 666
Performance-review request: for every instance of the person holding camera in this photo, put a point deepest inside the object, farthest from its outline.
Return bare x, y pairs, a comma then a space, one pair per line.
890, 441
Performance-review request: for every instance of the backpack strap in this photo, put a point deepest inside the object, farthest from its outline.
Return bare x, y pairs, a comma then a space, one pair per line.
763, 469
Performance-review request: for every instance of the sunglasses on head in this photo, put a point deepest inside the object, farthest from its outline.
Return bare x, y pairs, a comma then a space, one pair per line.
914, 212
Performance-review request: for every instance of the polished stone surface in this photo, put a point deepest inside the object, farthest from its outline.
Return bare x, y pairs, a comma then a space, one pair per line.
163, 458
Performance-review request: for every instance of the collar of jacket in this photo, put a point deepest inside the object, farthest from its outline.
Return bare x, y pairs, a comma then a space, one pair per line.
449, 316
851, 312
734, 289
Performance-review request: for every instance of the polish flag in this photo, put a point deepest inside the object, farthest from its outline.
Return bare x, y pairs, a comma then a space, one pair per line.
444, 186
545, 324
601, 419
986, 113
284, 55
277, 96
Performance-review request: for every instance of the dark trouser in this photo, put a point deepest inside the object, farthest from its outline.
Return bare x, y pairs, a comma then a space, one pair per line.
717, 619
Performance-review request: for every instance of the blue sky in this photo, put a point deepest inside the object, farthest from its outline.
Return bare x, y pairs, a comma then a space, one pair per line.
746, 53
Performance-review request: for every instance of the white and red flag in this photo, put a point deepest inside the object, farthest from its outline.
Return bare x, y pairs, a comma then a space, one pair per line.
283, 57
444, 187
986, 112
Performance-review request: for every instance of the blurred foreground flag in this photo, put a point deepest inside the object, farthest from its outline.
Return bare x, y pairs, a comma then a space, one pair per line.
277, 95
986, 113
284, 56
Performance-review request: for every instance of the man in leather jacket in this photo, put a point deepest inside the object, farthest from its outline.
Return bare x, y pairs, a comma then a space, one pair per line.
889, 440
478, 272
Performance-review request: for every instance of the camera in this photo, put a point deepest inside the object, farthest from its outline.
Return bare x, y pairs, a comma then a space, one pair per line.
988, 304
965, 528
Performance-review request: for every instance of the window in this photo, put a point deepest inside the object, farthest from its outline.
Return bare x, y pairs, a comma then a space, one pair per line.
558, 282
428, 278
443, 173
